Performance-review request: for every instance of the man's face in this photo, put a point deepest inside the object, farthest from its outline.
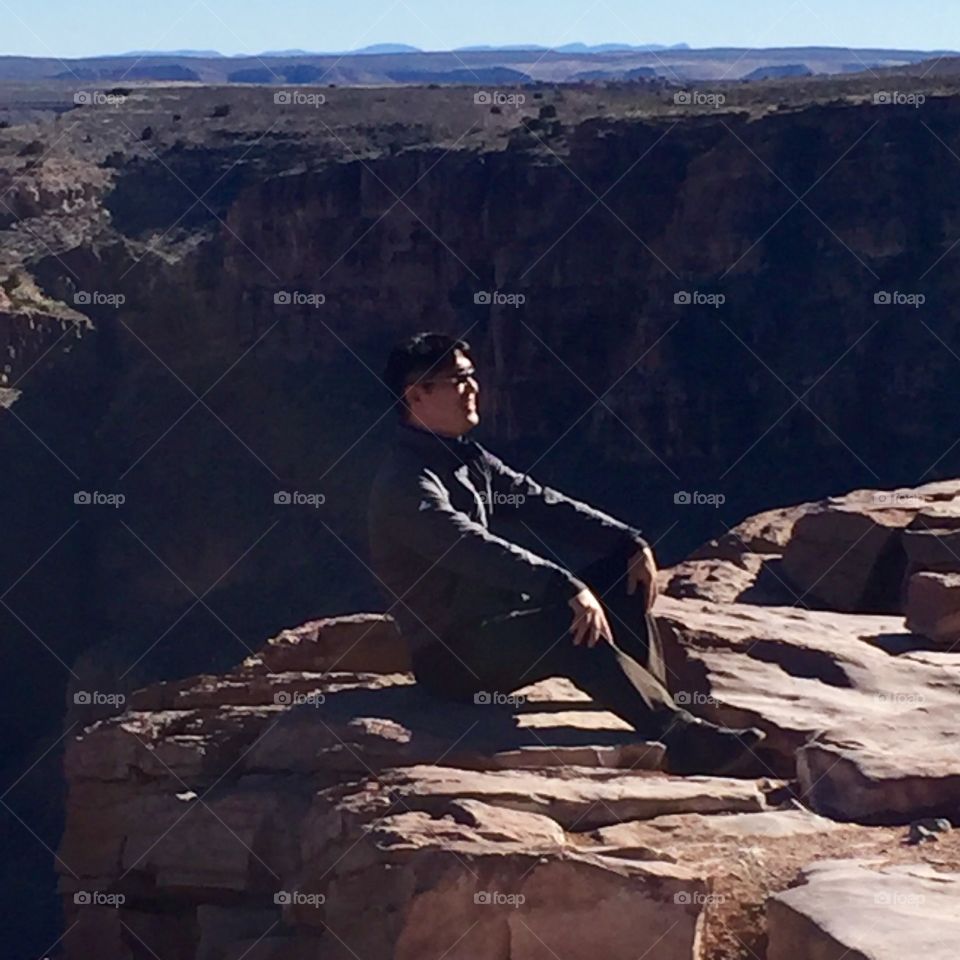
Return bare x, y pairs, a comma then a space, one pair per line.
445, 401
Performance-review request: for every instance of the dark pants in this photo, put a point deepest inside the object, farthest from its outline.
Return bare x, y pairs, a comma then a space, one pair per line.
522, 646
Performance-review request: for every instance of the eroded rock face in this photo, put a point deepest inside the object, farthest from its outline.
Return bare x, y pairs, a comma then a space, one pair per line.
933, 607
884, 725
315, 802
256, 801
857, 910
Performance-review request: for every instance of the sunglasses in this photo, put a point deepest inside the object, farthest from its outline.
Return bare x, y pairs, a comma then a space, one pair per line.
459, 379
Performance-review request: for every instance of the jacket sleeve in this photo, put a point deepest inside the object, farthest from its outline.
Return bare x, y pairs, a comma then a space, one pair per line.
419, 512
549, 511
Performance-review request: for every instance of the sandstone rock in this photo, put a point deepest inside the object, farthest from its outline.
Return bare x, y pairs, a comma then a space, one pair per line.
579, 798
768, 823
854, 910
849, 553
336, 723
363, 643
885, 725
763, 533
748, 578
429, 892
933, 606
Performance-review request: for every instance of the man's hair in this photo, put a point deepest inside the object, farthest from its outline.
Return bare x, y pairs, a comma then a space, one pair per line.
424, 353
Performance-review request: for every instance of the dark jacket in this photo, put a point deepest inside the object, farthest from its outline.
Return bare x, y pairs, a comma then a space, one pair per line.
436, 508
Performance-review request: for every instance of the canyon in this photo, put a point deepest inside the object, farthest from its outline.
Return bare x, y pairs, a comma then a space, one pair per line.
748, 299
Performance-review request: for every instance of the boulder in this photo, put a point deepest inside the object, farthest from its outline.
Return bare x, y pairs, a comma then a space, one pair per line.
850, 553
364, 642
870, 734
933, 606
858, 910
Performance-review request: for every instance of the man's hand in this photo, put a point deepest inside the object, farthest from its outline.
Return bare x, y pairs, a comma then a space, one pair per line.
642, 571
589, 620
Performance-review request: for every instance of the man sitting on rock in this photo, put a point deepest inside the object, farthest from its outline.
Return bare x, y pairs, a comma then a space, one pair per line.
481, 613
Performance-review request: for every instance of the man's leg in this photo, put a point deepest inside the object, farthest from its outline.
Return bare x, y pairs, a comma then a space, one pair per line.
634, 628
513, 649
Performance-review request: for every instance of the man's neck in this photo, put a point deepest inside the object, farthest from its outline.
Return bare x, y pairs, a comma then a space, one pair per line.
423, 428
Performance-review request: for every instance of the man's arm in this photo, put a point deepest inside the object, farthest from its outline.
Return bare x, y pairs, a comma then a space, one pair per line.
550, 511
419, 513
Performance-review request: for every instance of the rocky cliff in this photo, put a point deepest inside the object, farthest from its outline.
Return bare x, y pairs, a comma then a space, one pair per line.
313, 802
198, 287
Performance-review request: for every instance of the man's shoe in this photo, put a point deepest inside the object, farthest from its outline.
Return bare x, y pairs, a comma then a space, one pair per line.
704, 748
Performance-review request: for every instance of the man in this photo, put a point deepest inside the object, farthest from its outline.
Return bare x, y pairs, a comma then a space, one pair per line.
480, 612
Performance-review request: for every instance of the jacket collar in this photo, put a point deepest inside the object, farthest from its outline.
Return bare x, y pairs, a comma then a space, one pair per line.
425, 443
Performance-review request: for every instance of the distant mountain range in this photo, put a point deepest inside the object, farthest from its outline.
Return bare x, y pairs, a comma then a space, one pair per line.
386, 64
406, 48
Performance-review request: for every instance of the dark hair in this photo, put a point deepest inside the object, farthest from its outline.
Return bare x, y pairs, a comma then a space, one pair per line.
423, 353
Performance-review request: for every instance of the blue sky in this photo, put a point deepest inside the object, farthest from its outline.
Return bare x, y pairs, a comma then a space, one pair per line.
67, 28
